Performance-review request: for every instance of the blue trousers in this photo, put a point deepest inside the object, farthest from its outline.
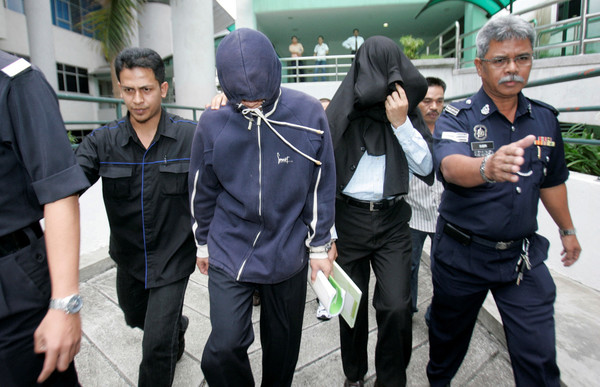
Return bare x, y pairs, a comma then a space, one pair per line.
225, 358
462, 276
418, 238
158, 312
24, 298
320, 69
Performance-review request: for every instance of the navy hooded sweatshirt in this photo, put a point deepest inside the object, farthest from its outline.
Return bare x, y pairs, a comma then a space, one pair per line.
262, 181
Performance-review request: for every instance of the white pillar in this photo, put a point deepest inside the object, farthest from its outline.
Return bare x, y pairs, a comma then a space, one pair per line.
41, 38
245, 17
193, 52
158, 39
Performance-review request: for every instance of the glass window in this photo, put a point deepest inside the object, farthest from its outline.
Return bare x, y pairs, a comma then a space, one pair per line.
72, 78
15, 5
69, 14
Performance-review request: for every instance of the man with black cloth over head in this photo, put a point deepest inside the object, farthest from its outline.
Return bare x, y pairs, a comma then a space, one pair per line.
379, 139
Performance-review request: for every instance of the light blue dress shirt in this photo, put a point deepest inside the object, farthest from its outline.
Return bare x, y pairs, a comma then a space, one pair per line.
367, 181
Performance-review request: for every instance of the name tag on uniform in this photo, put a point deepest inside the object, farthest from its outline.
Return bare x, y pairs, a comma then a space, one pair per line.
482, 148
455, 136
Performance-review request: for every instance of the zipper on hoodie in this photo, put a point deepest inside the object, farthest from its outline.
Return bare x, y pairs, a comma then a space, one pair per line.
259, 197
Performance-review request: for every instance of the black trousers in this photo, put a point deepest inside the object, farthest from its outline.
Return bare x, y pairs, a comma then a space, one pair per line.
381, 240
158, 312
225, 359
24, 298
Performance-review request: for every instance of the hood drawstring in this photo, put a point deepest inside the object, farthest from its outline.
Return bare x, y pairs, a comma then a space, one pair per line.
257, 112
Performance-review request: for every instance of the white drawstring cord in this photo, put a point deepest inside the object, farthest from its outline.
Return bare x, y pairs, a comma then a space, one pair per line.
262, 117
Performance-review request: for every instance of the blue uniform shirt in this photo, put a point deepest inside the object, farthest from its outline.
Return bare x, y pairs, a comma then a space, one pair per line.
37, 165
475, 128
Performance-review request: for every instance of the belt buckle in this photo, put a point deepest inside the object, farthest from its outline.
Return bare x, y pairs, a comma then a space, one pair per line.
372, 206
503, 245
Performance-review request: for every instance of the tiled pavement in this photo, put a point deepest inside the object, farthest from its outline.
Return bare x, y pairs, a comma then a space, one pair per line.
111, 351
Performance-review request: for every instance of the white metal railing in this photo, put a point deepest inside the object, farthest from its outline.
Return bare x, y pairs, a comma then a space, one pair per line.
577, 28
304, 68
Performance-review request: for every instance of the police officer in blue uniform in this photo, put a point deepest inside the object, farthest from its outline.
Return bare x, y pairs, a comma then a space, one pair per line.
498, 153
40, 327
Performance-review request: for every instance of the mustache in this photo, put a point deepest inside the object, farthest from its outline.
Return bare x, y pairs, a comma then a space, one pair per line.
511, 78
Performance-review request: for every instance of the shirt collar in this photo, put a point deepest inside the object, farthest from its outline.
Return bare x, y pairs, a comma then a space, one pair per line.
486, 107
162, 130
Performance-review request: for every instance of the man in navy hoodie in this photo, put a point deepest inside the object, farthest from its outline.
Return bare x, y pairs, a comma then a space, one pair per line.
262, 186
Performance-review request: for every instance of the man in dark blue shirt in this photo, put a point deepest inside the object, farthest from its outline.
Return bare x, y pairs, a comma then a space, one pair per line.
39, 178
498, 153
143, 160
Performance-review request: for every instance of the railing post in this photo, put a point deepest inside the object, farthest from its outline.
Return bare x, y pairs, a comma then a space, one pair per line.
441, 43
119, 114
457, 49
583, 26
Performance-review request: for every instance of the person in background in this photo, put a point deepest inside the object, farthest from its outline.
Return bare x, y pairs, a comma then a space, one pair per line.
40, 325
379, 140
424, 199
321, 50
498, 153
262, 189
143, 160
354, 42
296, 51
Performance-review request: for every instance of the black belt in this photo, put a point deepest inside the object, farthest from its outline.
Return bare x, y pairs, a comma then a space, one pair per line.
16, 240
465, 237
372, 206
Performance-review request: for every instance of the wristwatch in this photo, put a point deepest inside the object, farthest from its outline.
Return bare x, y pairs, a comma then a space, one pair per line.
567, 231
70, 305
482, 170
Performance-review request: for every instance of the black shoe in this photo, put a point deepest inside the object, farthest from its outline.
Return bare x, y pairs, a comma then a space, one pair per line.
185, 321
359, 383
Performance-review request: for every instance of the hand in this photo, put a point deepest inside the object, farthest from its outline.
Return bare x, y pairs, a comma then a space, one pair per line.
325, 265
59, 337
202, 264
396, 107
217, 101
571, 249
507, 161
332, 253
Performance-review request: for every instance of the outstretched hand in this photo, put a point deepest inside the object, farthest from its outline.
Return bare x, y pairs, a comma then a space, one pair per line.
507, 161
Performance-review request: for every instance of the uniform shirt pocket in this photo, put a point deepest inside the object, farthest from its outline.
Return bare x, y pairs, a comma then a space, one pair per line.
116, 180
174, 177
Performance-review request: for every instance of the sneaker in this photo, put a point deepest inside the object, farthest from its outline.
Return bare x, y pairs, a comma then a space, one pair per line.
322, 313
185, 321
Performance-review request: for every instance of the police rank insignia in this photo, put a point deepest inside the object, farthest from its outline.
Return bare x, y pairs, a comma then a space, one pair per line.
485, 110
452, 110
544, 141
480, 132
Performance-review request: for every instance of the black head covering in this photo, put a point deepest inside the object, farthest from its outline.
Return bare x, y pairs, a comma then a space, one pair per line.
357, 116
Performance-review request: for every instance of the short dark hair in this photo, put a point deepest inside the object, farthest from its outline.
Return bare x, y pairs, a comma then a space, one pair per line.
140, 57
324, 99
294, 36
433, 81
320, 36
356, 29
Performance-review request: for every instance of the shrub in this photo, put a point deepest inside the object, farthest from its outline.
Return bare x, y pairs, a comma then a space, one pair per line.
411, 46
579, 157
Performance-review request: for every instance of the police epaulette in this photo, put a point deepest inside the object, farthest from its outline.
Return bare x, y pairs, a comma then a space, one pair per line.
452, 110
16, 67
544, 104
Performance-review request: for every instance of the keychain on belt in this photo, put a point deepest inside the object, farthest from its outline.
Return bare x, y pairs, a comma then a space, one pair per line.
523, 261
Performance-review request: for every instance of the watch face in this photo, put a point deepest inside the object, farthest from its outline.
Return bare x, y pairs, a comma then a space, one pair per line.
74, 305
